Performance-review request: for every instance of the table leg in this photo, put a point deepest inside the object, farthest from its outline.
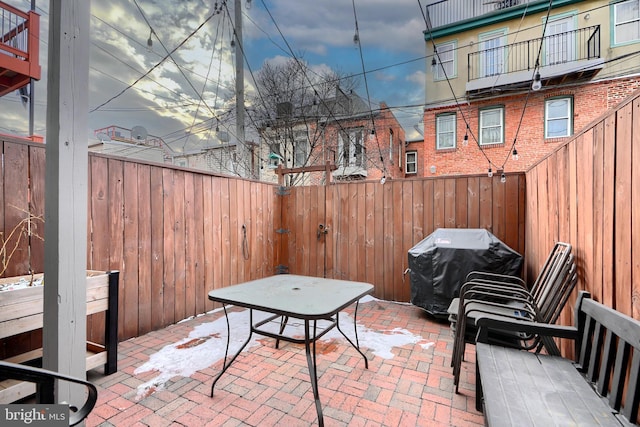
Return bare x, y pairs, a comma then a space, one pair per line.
226, 365
313, 372
355, 329
283, 324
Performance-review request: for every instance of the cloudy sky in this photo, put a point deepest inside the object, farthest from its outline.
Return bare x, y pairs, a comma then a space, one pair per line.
181, 88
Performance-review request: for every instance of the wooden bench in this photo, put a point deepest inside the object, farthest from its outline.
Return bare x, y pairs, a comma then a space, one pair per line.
600, 388
22, 311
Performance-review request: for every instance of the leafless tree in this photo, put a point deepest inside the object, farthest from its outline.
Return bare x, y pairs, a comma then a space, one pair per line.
291, 103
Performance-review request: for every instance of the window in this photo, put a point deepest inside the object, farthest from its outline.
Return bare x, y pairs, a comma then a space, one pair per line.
351, 150
391, 145
492, 126
445, 61
411, 163
301, 149
558, 117
626, 21
560, 41
493, 53
445, 131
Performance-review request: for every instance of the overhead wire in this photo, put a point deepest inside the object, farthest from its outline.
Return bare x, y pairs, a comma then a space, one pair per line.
526, 100
358, 40
164, 58
457, 103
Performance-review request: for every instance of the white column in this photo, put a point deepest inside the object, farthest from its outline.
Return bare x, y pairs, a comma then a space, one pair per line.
64, 337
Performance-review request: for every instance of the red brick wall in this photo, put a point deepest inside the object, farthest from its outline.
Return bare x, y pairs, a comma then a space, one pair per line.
589, 102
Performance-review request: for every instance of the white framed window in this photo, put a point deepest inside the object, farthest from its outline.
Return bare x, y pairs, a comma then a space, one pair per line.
411, 162
492, 126
493, 57
560, 41
558, 117
445, 61
300, 149
351, 150
626, 22
445, 131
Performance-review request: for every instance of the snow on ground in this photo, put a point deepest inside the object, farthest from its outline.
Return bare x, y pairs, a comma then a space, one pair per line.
205, 345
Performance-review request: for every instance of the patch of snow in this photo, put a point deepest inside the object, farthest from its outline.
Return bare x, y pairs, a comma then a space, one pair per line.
22, 284
205, 345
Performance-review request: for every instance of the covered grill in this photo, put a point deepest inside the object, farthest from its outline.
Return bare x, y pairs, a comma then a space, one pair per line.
440, 262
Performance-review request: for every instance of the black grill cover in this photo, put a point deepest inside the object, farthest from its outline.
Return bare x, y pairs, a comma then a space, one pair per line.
441, 261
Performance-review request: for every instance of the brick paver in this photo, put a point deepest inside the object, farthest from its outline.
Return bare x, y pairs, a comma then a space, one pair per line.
268, 386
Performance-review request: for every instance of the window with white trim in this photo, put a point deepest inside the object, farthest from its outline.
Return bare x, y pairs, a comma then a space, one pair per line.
558, 117
411, 162
301, 149
351, 150
445, 61
445, 131
492, 126
626, 21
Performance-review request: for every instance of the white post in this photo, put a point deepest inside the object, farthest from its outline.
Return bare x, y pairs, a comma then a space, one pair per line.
65, 246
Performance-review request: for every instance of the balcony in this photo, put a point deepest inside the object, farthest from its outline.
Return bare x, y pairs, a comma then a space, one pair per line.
447, 12
568, 56
19, 48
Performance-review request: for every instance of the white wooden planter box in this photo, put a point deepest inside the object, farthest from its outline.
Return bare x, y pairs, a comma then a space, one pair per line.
21, 310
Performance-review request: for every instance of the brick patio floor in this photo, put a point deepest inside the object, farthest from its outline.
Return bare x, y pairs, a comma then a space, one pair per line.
269, 387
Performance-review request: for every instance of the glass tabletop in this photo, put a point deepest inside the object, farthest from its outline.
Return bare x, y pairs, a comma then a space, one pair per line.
292, 295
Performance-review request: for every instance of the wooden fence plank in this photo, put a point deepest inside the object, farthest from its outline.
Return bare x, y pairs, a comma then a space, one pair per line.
179, 241
169, 255
623, 262
209, 224
379, 239
609, 214
635, 199
387, 218
497, 208
116, 227
189, 247
198, 226
439, 216
144, 249
450, 203
473, 202
157, 248
486, 209
358, 225
512, 210
398, 244
16, 209
130, 274
37, 171
461, 202
369, 232
598, 211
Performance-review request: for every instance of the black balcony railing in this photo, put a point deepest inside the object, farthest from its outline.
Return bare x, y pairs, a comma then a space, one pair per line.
446, 12
562, 48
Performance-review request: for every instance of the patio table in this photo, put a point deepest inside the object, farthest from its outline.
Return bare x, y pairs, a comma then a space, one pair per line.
310, 299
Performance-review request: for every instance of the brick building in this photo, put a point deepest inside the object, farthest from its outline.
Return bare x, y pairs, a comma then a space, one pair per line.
360, 143
484, 60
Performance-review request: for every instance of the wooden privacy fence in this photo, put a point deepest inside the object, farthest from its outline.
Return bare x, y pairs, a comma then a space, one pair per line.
174, 234
587, 193
363, 230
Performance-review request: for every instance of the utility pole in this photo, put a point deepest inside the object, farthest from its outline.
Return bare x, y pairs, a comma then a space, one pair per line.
243, 163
